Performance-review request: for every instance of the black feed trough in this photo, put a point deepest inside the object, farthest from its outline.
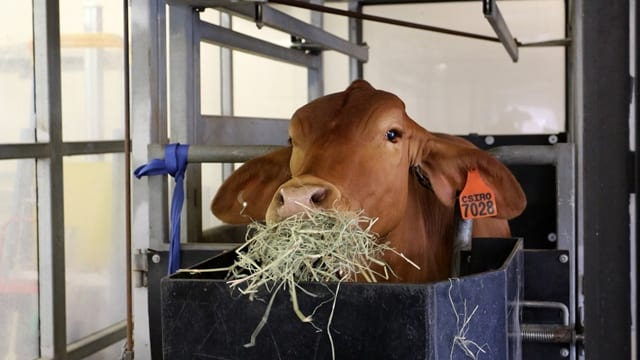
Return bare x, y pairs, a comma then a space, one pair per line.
477, 313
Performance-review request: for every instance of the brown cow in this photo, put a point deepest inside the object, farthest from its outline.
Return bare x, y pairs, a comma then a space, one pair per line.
358, 149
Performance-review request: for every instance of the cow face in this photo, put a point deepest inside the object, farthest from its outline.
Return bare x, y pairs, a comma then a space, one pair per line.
355, 150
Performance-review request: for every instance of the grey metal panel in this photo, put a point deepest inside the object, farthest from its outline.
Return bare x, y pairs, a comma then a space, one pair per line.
228, 130
606, 178
51, 244
220, 36
97, 341
312, 33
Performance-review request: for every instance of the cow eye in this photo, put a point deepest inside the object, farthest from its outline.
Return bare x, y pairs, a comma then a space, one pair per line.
393, 135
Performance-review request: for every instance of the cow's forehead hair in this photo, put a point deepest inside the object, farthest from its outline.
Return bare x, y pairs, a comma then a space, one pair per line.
353, 109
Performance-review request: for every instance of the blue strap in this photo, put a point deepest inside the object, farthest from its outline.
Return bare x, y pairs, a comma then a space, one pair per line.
174, 164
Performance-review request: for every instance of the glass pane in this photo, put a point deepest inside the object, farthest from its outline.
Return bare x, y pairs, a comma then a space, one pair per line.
19, 328
459, 85
95, 242
92, 70
16, 74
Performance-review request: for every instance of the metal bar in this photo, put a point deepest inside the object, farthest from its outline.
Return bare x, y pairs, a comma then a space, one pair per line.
97, 341
575, 117
93, 147
220, 36
128, 350
230, 130
606, 178
23, 151
355, 36
310, 32
184, 98
549, 305
148, 125
51, 245
527, 154
380, 19
315, 77
226, 89
494, 16
201, 153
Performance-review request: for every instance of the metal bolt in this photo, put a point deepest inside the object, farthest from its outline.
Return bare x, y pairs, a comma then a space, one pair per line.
563, 258
553, 139
552, 237
564, 352
489, 140
155, 258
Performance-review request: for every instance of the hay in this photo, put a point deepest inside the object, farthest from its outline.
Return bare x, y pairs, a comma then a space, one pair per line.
313, 246
463, 321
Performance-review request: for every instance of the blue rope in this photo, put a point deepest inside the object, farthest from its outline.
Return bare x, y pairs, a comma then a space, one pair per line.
174, 164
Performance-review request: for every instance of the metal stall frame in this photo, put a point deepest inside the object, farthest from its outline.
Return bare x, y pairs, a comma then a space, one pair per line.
149, 104
588, 87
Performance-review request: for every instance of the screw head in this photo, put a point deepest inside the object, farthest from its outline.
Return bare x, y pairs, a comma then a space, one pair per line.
489, 140
564, 258
155, 258
552, 237
553, 139
564, 352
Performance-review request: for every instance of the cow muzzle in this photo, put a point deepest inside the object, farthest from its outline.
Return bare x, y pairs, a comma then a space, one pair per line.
301, 193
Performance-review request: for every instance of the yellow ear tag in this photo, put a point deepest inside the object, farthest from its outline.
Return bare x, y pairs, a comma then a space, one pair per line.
477, 200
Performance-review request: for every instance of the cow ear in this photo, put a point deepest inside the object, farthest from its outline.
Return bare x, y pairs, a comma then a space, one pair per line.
247, 193
447, 160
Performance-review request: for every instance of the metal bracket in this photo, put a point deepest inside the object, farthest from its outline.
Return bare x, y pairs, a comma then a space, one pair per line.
299, 43
140, 268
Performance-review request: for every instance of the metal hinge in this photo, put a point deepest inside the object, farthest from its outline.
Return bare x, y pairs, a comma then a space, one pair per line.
140, 268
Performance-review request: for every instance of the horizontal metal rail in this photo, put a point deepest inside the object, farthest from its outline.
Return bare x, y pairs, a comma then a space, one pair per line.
218, 35
312, 34
529, 154
229, 154
43, 150
97, 341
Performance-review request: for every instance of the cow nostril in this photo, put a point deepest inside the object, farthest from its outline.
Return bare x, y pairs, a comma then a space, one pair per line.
280, 197
318, 196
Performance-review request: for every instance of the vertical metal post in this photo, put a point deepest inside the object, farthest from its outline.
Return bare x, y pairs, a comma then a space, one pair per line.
355, 36
606, 178
226, 84
51, 247
184, 97
315, 75
148, 126
575, 122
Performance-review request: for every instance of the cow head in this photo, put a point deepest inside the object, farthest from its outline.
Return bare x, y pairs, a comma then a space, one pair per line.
357, 150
